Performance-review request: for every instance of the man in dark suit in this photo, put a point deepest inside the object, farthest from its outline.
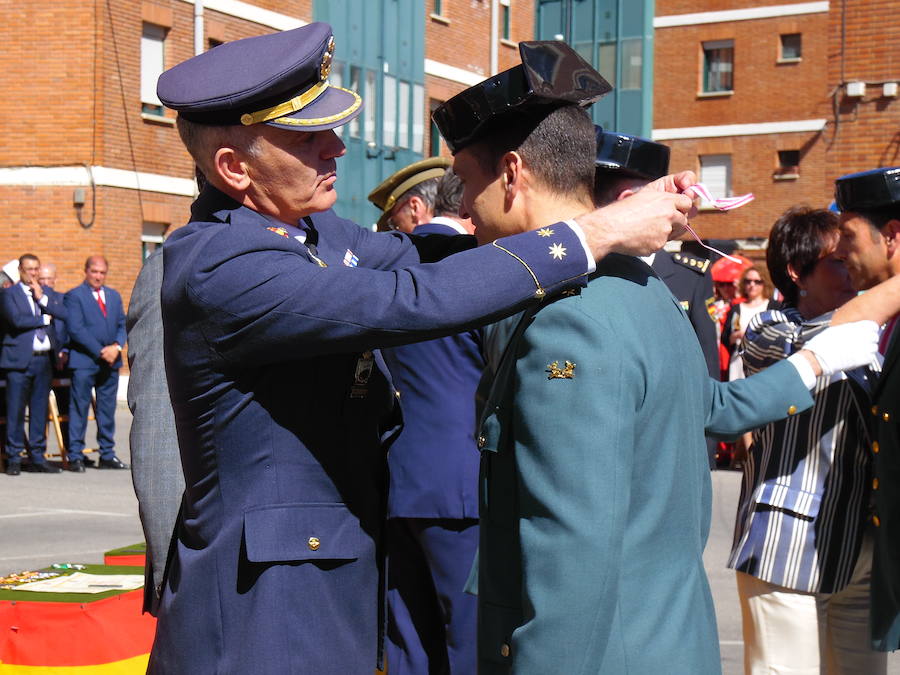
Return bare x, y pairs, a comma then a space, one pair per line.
870, 248
272, 310
96, 325
625, 164
30, 348
432, 528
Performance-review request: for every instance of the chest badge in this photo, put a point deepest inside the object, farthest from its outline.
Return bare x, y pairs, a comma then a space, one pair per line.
364, 367
557, 373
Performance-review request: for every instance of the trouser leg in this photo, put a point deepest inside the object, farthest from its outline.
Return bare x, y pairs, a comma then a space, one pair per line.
79, 402
106, 386
18, 389
41, 370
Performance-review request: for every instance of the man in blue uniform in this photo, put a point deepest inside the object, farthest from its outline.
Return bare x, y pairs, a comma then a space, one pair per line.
870, 248
624, 165
594, 490
272, 311
432, 524
31, 345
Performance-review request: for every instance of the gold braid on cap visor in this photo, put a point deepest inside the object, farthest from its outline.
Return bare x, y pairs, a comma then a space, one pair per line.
298, 103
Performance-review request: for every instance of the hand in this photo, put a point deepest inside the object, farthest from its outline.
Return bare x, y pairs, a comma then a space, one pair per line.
736, 336
844, 347
36, 291
639, 224
110, 353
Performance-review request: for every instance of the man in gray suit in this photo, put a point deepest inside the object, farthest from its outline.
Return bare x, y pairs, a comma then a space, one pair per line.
155, 462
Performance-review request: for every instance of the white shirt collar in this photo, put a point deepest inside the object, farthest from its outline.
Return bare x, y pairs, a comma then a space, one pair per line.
449, 222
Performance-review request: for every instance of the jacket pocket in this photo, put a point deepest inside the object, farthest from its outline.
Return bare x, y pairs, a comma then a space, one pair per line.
297, 532
790, 500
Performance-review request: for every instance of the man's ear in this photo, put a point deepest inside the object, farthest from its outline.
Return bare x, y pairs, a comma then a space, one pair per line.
231, 169
792, 273
627, 192
511, 176
417, 210
891, 234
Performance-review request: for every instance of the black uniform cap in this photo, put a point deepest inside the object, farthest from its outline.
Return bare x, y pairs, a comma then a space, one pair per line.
868, 190
551, 74
630, 155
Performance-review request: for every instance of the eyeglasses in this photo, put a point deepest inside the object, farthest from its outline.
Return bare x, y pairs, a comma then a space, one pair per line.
753, 281
395, 211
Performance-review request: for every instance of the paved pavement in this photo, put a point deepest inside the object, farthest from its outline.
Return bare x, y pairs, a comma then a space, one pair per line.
76, 517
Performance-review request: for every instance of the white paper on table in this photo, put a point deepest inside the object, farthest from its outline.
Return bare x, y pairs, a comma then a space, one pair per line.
80, 582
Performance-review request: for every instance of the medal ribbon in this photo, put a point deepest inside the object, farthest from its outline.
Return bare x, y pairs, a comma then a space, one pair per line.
720, 203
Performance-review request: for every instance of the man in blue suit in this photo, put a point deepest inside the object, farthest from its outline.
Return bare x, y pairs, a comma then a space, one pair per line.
31, 344
96, 326
432, 528
273, 309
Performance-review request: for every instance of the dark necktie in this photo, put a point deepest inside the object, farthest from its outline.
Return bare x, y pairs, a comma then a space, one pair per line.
39, 333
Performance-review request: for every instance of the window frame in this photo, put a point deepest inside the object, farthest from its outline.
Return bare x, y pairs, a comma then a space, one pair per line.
781, 45
151, 106
708, 49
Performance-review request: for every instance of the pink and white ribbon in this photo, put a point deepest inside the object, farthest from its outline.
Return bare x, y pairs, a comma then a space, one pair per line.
722, 204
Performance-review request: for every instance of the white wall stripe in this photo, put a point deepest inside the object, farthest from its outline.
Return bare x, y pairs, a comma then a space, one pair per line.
452, 73
768, 12
104, 176
248, 12
790, 127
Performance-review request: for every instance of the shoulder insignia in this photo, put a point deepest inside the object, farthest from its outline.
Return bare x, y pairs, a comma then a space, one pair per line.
279, 230
711, 307
685, 305
557, 373
698, 265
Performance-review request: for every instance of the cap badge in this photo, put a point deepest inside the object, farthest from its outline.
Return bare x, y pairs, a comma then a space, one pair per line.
557, 373
327, 58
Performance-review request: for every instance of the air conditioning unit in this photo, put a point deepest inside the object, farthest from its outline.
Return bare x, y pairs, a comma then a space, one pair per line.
856, 89
889, 89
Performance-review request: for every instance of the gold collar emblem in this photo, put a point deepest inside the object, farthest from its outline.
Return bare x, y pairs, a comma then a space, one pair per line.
327, 57
557, 373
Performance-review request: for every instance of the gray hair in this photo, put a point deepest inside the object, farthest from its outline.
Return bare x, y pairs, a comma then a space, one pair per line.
449, 194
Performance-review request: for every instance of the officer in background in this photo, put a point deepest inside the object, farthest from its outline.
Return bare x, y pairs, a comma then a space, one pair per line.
624, 165
432, 531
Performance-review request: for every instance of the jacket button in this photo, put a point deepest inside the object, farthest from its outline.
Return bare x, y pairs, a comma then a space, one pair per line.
313, 543
874, 409
397, 393
504, 650
481, 441
874, 483
792, 410
875, 521
886, 417
875, 447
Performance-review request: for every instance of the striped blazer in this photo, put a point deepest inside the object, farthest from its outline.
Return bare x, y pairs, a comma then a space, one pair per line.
806, 490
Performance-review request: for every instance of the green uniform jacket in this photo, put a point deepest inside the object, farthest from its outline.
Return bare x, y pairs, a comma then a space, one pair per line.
886, 559
595, 489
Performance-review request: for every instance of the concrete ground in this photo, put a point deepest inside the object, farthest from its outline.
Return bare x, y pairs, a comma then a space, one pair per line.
69, 517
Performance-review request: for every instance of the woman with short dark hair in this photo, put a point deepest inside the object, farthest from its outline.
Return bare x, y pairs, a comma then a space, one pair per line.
801, 550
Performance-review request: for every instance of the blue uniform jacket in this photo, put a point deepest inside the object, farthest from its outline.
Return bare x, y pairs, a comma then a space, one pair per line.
434, 462
20, 323
90, 331
282, 411
595, 491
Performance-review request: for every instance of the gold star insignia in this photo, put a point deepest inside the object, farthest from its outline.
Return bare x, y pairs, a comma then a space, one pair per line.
569, 293
545, 232
558, 251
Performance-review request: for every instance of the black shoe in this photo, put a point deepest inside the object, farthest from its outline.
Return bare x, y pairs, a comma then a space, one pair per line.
44, 467
88, 462
113, 463
76, 465
13, 469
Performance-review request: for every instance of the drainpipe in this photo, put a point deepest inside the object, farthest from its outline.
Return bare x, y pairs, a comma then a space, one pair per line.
495, 31
198, 27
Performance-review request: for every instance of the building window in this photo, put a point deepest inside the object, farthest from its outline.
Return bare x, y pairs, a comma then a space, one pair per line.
632, 63
791, 47
715, 173
437, 7
788, 165
153, 63
505, 6
718, 66
212, 43
152, 237
418, 123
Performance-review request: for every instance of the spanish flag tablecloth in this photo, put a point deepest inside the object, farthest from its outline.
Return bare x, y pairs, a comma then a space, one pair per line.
75, 633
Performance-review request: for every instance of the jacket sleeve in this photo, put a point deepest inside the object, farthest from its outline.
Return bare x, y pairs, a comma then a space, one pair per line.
121, 335
79, 335
16, 319
742, 405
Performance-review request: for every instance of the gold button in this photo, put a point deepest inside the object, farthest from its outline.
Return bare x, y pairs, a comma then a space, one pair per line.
874, 409
875, 521
874, 483
504, 650
792, 410
540, 293
886, 417
397, 394
875, 447
481, 441
314, 543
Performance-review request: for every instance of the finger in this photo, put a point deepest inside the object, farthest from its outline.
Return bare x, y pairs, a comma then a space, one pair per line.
683, 203
684, 180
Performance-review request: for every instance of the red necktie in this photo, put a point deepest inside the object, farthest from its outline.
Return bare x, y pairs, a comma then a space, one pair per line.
101, 303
